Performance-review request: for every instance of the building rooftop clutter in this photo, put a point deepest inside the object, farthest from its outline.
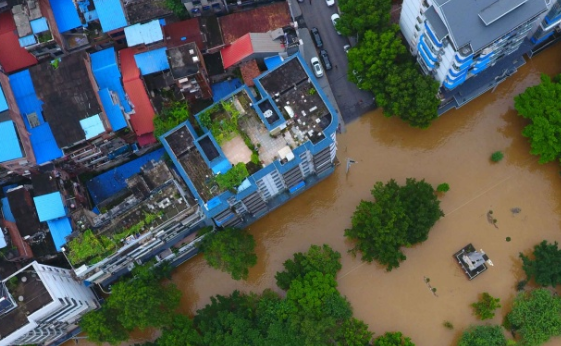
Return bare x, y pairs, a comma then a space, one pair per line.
146, 33
260, 20
68, 97
477, 23
183, 60
29, 22
111, 14
140, 11
152, 61
186, 31
249, 44
12, 56
23, 211
44, 183
66, 15
211, 31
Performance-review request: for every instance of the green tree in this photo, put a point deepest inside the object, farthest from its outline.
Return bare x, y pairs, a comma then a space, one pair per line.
393, 339
359, 16
486, 306
353, 332
172, 114
180, 332
536, 316
545, 268
177, 7
482, 336
400, 216
230, 250
540, 104
102, 326
322, 259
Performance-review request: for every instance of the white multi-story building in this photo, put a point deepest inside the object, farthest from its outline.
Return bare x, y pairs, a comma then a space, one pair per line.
469, 46
41, 303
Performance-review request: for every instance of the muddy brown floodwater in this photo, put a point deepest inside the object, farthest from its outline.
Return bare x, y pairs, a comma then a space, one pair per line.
456, 150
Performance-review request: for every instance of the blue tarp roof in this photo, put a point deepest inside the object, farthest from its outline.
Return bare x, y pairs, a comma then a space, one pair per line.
111, 182
113, 111
39, 25
27, 40
221, 166
49, 206
92, 126
60, 229
111, 14
273, 62
144, 33
9, 142
3, 102
152, 61
222, 89
7, 211
41, 137
66, 15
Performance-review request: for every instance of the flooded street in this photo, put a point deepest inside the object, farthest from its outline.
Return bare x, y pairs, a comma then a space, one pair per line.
456, 150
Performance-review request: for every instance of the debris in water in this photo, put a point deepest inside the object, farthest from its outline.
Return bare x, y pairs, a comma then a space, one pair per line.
515, 210
492, 220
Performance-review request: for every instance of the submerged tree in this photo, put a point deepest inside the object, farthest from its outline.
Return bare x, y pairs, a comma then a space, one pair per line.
483, 336
359, 16
545, 268
393, 339
486, 306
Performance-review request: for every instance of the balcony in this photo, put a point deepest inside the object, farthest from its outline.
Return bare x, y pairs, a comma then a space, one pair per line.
426, 59
433, 36
448, 84
430, 53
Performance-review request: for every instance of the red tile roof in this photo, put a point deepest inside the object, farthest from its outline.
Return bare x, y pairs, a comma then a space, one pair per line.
186, 31
12, 56
234, 53
249, 71
261, 19
142, 120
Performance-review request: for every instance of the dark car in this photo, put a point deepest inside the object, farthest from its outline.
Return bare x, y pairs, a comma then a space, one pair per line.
325, 59
317, 38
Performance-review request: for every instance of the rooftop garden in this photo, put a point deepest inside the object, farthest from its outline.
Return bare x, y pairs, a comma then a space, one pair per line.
172, 115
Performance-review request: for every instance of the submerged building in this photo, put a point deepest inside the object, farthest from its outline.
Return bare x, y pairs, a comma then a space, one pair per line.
470, 46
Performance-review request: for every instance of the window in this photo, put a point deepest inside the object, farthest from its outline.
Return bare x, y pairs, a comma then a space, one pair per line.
419, 20
417, 27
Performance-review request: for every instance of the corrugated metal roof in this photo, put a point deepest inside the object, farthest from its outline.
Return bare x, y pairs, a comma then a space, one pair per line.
27, 40
152, 61
12, 56
113, 111
39, 25
44, 144
66, 15
6, 210
111, 14
9, 142
144, 33
222, 89
92, 126
49, 206
3, 102
60, 229
237, 51
107, 74
272, 62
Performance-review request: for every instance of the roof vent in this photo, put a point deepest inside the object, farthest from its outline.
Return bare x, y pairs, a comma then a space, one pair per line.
20, 298
268, 113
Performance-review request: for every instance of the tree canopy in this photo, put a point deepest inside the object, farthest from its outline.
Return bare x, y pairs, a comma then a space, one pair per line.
486, 306
536, 316
359, 16
393, 339
230, 250
399, 216
540, 104
172, 114
482, 336
318, 258
545, 268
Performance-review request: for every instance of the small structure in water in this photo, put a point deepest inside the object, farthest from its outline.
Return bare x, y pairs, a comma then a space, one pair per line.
472, 261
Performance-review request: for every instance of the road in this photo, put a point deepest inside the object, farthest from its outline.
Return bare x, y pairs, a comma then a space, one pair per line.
352, 101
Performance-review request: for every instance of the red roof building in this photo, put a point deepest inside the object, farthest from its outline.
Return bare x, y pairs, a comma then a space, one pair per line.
142, 120
252, 45
12, 56
249, 71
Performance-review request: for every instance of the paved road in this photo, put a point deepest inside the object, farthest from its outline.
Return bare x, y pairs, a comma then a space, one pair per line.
352, 101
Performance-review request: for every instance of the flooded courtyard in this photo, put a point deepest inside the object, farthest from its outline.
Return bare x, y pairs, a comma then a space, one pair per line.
456, 150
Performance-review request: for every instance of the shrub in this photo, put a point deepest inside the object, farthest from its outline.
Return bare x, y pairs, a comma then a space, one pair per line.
486, 306
497, 156
444, 187
448, 325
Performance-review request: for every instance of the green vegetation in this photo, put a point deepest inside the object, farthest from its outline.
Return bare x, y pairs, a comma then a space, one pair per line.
393, 339
359, 16
136, 228
221, 120
312, 91
535, 316
172, 115
139, 302
444, 187
399, 216
448, 325
486, 306
545, 268
177, 7
230, 250
233, 178
44, 37
540, 104
497, 156
89, 247
483, 336
55, 63
321, 259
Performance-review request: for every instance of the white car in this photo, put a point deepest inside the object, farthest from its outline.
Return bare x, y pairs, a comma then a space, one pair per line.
334, 18
316, 65
346, 48
330, 2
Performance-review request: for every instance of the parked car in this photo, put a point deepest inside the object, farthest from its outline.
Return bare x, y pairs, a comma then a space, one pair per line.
316, 37
330, 2
334, 18
325, 59
316, 65
346, 48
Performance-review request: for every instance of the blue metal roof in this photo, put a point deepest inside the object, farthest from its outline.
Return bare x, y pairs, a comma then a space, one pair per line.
111, 182
113, 111
90, 16
111, 14
6, 210
92, 126
222, 89
9, 142
144, 33
27, 40
3, 102
60, 229
39, 25
108, 75
66, 15
41, 137
49, 206
152, 61
273, 62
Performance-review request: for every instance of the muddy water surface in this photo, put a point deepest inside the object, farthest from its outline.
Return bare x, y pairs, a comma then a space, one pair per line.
456, 150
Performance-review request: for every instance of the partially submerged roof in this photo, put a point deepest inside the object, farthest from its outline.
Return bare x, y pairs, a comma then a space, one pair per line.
186, 31
9, 142
260, 20
152, 61
49, 206
144, 33
139, 11
60, 229
111, 14
183, 60
66, 15
12, 56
